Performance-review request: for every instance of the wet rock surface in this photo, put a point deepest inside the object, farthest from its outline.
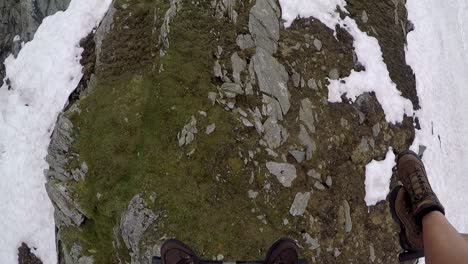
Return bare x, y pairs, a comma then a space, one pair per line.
209, 122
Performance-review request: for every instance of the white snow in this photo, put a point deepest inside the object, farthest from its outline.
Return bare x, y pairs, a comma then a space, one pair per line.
374, 79
438, 54
42, 76
378, 174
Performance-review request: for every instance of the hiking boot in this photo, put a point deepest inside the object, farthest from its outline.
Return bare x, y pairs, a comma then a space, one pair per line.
411, 172
283, 251
175, 252
400, 207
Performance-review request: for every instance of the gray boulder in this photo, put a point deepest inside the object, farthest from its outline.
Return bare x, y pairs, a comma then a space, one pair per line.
275, 134
307, 141
264, 24
284, 172
58, 152
306, 114
175, 6
238, 66
299, 205
245, 41
348, 223
272, 78
187, 135
226, 7
62, 202
135, 221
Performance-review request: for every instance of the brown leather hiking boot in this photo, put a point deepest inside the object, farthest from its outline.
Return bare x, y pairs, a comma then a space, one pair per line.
283, 251
175, 252
411, 172
400, 208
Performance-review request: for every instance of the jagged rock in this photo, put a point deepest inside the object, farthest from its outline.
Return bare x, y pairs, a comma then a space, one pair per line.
329, 181
318, 44
312, 84
307, 141
364, 16
252, 194
272, 108
348, 222
219, 52
101, 32
245, 41
372, 253
421, 150
275, 134
303, 82
362, 117
74, 256
364, 146
58, 195
210, 129
217, 70
298, 155
249, 89
224, 7
188, 132
306, 115
296, 78
271, 153
313, 243
238, 66
334, 74
232, 88
80, 173
272, 78
212, 97
264, 24
314, 174
299, 205
134, 223
319, 186
175, 6
376, 130
246, 122
284, 172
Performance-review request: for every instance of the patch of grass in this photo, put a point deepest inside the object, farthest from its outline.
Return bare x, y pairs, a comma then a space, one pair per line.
127, 134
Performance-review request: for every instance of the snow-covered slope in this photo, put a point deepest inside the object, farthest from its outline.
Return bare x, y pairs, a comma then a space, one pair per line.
42, 76
438, 54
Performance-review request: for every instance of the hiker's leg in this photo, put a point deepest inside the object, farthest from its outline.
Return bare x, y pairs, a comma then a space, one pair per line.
465, 236
442, 243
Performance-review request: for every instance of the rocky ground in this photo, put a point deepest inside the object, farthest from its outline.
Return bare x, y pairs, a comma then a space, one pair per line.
208, 121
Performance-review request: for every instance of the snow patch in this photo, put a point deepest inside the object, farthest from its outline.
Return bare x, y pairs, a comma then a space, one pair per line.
42, 77
438, 53
375, 78
378, 174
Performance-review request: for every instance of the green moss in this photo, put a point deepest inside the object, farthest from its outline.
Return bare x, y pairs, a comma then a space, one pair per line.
127, 133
